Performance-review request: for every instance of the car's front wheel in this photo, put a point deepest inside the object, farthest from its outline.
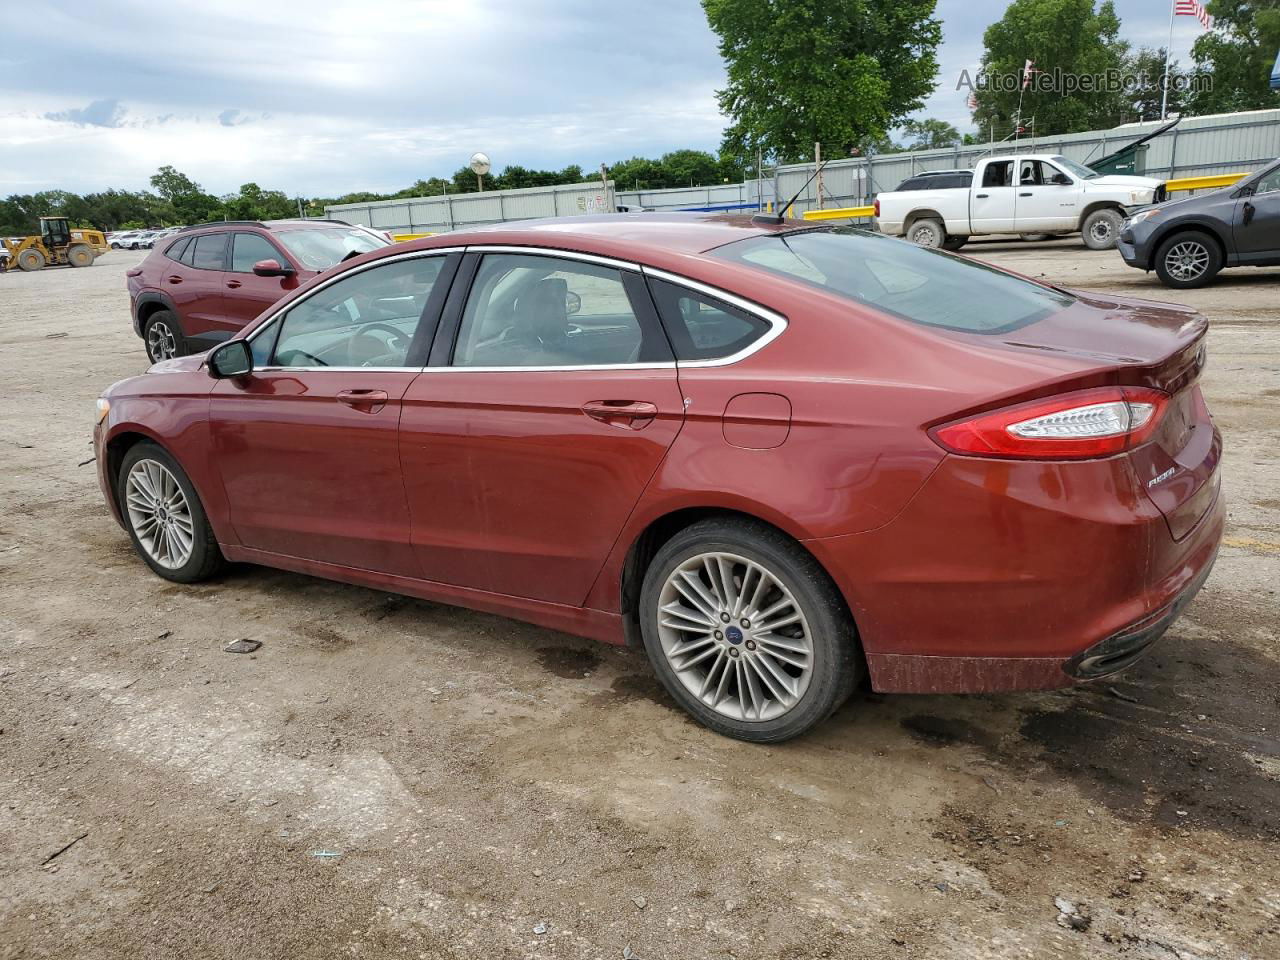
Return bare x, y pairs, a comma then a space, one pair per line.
164, 516
746, 631
1188, 260
1101, 229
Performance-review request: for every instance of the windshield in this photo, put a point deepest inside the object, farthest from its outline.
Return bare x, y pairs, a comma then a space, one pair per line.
1079, 169
320, 248
899, 278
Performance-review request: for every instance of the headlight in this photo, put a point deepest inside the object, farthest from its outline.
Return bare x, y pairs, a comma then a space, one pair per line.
1137, 218
1141, 196
104, 407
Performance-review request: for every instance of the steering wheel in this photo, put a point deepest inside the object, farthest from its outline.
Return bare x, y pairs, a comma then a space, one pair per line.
295, 352
396, 335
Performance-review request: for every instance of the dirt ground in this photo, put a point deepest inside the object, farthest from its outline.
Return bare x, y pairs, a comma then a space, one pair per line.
392, 778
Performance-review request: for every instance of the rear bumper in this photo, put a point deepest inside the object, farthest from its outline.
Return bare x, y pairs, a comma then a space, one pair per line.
1018, 577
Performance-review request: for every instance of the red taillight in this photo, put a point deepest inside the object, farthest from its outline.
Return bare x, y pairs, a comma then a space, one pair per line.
875, 205
1100, 422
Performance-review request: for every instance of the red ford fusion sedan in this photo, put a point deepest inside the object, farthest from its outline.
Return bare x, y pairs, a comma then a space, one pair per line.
781, 458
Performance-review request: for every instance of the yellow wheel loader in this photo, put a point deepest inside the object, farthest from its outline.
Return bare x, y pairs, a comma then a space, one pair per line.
57, 245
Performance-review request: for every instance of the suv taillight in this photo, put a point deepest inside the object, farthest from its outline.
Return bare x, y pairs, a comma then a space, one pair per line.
875, 205
1081, 425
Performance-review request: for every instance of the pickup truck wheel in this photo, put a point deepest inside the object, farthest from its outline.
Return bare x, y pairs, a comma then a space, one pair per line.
1102, 229
1188, 260
927, 233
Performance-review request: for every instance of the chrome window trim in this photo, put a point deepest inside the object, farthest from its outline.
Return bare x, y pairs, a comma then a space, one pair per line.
410, 255
777, 322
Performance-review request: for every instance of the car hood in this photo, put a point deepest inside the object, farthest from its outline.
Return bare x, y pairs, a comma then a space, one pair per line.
1119, 180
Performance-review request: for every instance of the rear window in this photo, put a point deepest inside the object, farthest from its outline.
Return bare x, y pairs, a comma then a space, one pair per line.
174, 252
901, 279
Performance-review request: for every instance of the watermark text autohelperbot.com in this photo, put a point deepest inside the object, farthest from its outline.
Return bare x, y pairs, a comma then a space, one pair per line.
1061, 82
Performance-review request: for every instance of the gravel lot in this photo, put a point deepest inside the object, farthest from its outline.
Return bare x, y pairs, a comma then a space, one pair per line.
392, 778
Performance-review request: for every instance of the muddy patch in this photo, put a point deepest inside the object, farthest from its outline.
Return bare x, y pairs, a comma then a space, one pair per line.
571, 663
948, 731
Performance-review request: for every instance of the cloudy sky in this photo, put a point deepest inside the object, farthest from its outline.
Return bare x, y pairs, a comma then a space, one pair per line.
325, 97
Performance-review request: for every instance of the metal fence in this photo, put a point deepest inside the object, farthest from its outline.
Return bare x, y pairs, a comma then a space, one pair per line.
725, 197
458, 210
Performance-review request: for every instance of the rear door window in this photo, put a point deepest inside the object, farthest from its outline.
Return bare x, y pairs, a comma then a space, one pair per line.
702, 327
208, 252
998, 174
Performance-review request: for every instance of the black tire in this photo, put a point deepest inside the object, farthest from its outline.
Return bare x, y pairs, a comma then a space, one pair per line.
927, 232
162, 333
1178, 257
1101, 229
29, 260
206, 559
1036, 237
80, 255
837, 662
954, 243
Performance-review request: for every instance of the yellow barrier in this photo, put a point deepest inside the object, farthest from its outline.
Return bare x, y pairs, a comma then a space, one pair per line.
402, 237
840, 213
1203, 183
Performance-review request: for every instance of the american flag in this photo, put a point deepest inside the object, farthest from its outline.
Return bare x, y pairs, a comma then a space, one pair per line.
972, 102
1029, 68
1190, 8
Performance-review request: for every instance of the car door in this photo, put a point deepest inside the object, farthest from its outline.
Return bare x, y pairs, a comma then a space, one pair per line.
1042, 204
992, 201
248, 295
1256, 227
193, 281
549, 402
307, 443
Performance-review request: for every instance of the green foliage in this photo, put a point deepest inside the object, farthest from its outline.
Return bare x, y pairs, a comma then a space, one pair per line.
1237, 56
1145, 101
930, 134
1070, 36
836, 72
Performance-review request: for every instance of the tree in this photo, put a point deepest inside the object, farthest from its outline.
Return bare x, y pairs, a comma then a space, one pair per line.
1234, 59
930, 134
1146, 99
838, 72
1069, 42
189, 201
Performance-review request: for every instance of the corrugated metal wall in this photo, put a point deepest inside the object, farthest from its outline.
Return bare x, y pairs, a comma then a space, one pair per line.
1198, 146
455, 211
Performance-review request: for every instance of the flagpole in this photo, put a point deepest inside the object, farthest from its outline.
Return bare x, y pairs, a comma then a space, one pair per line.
1168, 50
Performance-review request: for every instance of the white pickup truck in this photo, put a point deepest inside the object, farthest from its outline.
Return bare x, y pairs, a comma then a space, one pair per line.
1028, 194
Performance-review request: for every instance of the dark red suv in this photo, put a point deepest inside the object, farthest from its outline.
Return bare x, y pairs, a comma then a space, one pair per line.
205, 283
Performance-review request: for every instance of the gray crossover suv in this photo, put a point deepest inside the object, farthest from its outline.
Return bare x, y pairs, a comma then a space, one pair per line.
1186, 242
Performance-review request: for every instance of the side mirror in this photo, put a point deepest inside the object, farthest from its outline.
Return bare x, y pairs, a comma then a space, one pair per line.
572, 303
230, 359
1062, 180
271, 268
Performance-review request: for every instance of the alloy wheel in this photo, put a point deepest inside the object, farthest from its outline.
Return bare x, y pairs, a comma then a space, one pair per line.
1187, 260
161, 343
160, 514
735, 636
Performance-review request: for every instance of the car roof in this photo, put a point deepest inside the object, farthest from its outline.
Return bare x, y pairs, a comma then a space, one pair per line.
627, 235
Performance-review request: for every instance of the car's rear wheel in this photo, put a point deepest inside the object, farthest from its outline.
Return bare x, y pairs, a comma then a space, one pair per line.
1101, 229
1188, 260
746, 631
164, 516
163, 336
927, 232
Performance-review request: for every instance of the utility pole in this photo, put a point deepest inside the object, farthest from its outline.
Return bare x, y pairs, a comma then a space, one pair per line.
817, 163
759, 178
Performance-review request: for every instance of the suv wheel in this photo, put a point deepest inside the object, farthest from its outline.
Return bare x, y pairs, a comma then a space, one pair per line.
163, 336
747, 632
1101, 229
164, 517
1188, 260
